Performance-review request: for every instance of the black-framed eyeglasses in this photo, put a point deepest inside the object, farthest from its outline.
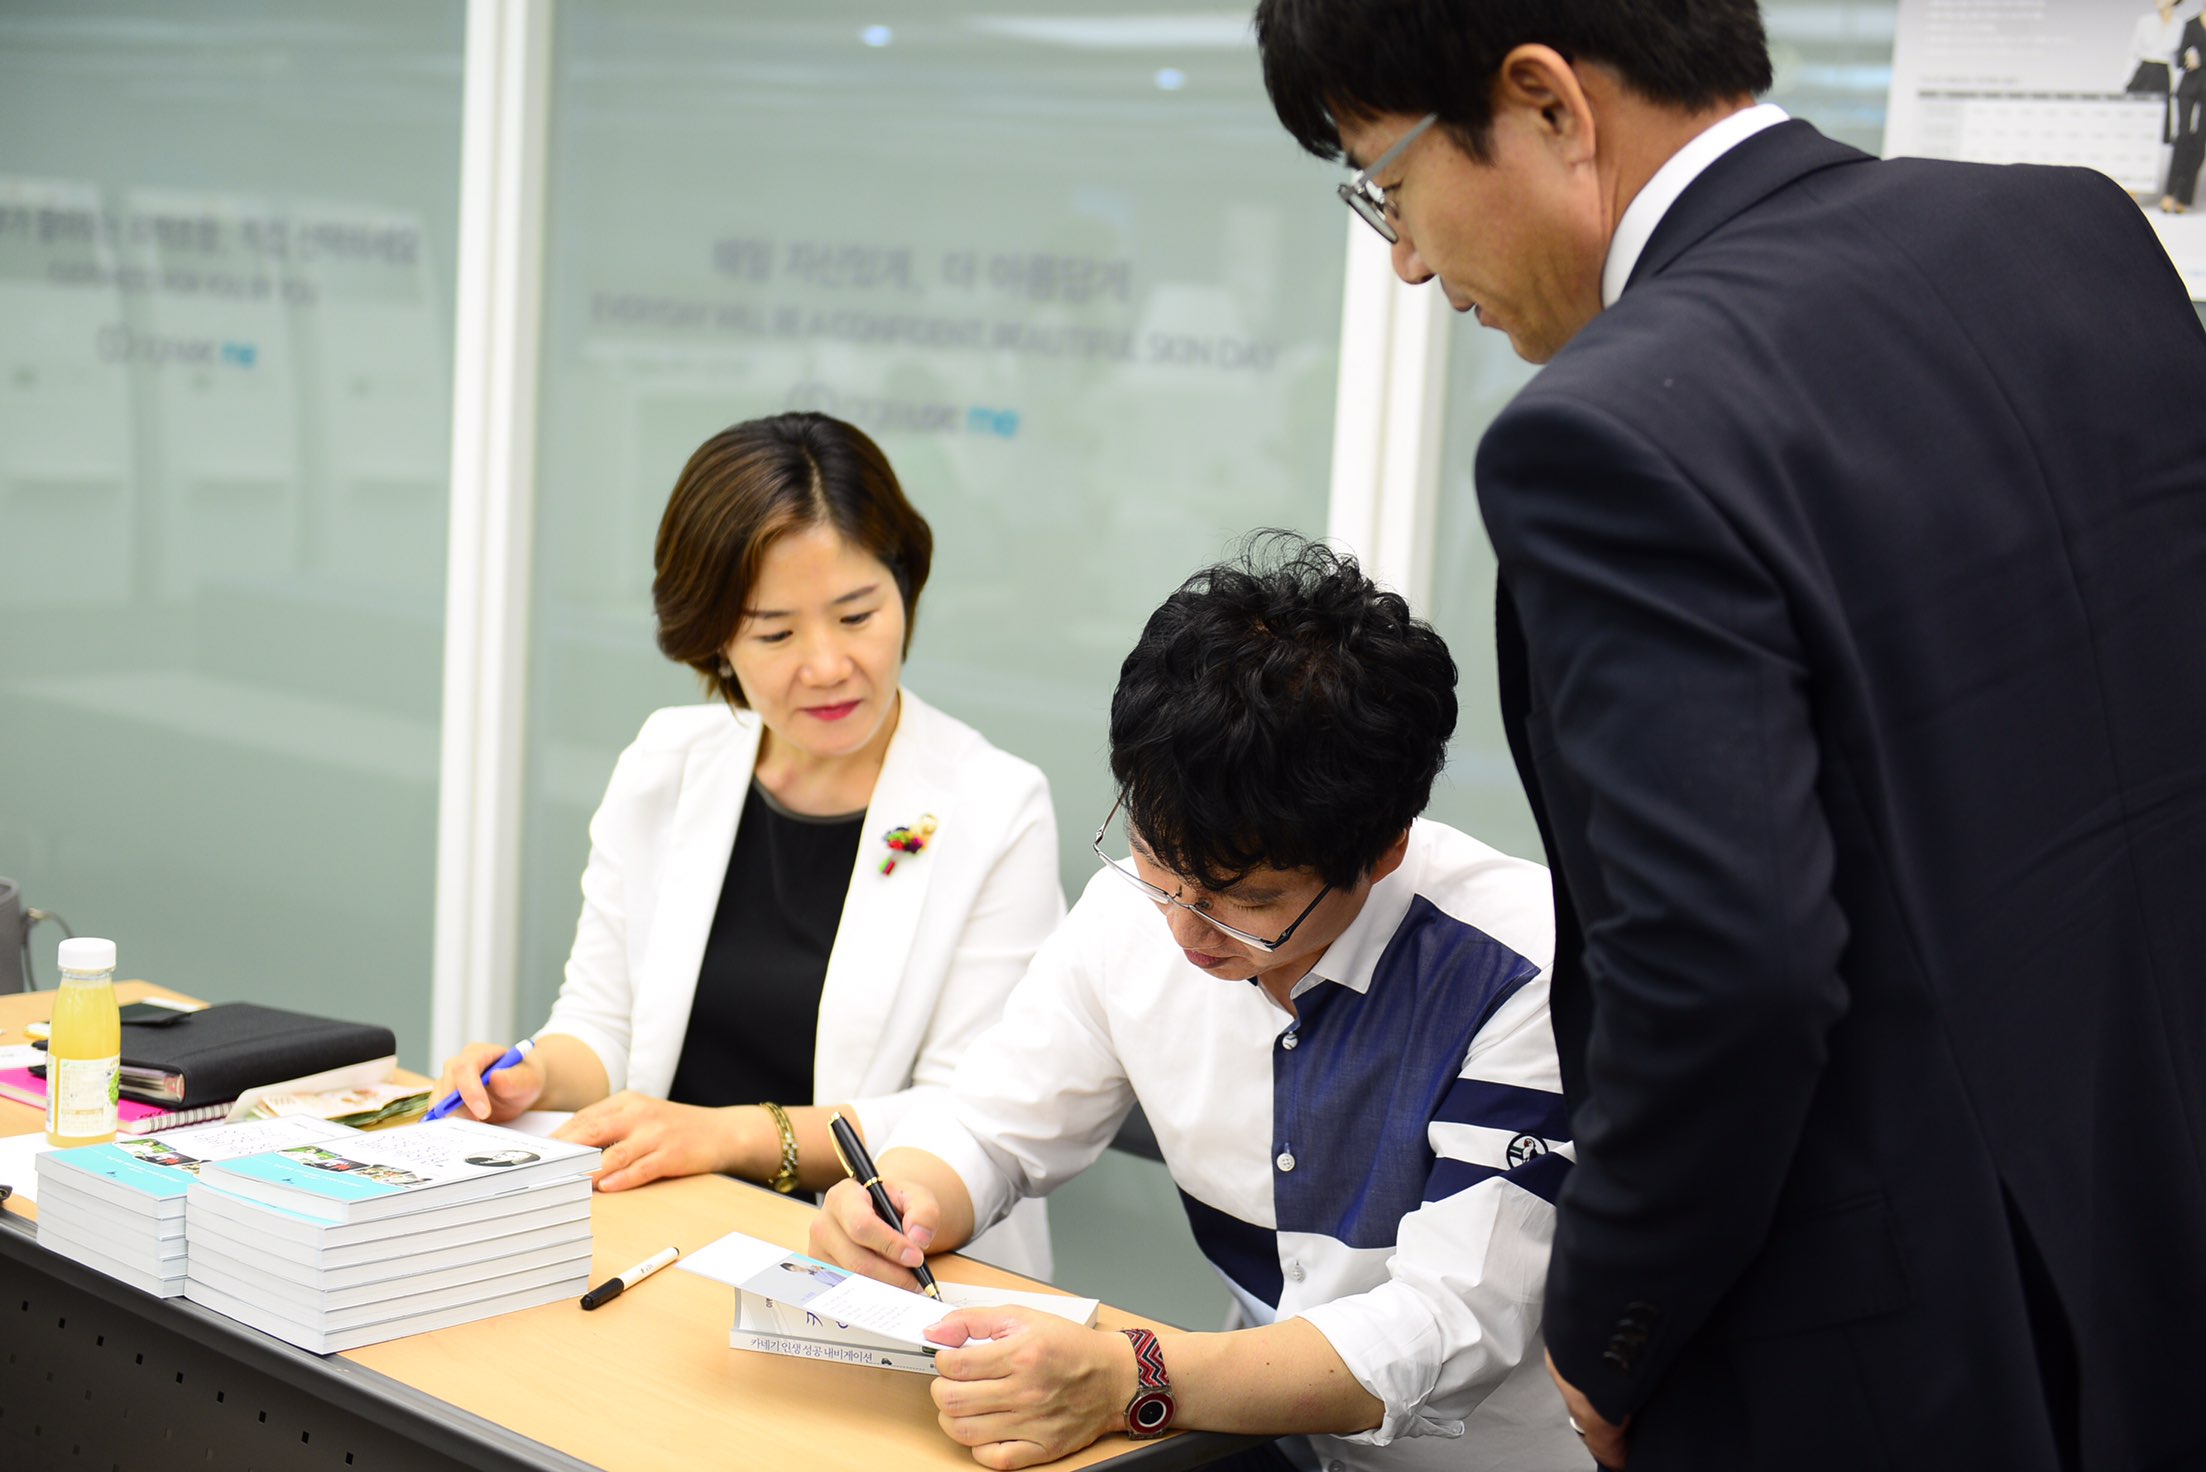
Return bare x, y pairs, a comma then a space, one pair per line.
1165, 897
1367, 199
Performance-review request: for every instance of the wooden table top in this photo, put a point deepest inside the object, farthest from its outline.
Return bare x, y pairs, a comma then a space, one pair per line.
649, 1381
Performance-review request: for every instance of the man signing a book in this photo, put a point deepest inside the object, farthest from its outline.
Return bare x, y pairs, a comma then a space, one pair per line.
1334, 1014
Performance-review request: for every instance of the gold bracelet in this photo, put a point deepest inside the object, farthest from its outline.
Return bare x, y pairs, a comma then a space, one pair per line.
786, 1181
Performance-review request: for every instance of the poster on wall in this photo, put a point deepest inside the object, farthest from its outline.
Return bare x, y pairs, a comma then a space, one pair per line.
2114, 85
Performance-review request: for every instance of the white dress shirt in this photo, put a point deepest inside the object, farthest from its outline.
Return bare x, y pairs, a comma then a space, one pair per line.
1660, 192
1383, 1164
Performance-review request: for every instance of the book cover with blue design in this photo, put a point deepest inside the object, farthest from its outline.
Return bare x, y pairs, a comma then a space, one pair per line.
120, 1207
394, 1172
153, 1173
276, 1231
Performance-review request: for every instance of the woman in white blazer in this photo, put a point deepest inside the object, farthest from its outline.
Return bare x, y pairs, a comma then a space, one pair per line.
820, 847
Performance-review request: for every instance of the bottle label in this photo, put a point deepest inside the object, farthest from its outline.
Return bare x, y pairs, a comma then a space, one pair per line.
81, 1095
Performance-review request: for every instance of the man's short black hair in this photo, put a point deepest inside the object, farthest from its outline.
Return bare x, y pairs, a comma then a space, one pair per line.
1327, 60
1280, 709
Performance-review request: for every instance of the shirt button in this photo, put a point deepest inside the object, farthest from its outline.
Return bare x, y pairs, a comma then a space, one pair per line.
1336, 1467
1294, 1271
1290, 1040
1285, 1160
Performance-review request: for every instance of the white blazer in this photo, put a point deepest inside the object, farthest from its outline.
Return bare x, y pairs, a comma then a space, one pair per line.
923, 957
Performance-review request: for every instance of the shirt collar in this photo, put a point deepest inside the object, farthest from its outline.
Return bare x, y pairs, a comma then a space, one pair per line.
1354, 955
1660, 192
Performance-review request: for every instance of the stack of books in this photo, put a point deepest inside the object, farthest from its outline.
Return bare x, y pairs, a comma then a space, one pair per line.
338, 1245
119, 1208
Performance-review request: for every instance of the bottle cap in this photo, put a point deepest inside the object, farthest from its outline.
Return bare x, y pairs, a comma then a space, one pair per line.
87, 953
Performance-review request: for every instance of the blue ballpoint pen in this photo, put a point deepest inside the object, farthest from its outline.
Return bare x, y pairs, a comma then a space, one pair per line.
510, 1057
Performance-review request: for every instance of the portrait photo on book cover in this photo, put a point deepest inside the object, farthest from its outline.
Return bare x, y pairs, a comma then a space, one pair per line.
796, 1280
505, 1157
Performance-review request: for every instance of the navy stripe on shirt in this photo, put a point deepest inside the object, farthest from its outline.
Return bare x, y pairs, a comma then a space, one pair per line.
1249, 1255
1370, 1070
1506, 1107
1542, 1175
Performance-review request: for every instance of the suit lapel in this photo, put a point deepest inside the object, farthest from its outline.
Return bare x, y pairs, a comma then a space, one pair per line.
1742, 178
881, 913
715, 780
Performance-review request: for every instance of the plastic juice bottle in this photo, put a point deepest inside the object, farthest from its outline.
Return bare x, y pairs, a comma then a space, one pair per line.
84, 1054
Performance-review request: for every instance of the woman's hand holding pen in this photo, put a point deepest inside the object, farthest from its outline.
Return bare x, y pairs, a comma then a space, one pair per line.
849, 1234
508, 1092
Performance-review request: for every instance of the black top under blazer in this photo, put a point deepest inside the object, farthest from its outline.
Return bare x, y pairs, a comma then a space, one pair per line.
1854, 655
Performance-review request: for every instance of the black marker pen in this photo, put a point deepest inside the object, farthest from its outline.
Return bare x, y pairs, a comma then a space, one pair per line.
614, 1287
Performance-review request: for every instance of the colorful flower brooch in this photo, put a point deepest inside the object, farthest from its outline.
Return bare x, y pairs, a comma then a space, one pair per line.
907, 840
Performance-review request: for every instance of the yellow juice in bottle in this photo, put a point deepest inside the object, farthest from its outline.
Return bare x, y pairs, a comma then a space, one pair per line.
84, 1053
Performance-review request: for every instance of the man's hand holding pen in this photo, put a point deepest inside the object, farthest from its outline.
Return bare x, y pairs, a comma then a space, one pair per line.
910, 1251
849, 1234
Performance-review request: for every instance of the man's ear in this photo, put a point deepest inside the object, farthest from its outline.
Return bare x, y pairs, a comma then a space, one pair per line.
1537, 83
1391, 860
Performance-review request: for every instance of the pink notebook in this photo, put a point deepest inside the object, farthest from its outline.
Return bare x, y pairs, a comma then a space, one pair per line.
132, 1117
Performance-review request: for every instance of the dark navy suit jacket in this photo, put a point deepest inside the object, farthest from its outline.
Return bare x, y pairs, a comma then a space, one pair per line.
1854, 653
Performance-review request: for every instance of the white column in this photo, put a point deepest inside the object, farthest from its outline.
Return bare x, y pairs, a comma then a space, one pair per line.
1359, 402
1416, 416
498, 303
1388, 415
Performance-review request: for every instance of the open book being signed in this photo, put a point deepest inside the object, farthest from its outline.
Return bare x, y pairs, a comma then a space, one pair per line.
787, 1303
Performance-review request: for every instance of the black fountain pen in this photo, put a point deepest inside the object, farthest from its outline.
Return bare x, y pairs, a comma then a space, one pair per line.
851, 1151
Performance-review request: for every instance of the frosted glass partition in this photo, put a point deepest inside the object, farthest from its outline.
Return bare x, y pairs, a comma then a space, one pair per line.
1834, 65
226, 243
1068, 271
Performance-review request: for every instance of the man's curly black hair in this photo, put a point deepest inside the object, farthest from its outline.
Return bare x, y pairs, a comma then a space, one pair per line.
1280, 709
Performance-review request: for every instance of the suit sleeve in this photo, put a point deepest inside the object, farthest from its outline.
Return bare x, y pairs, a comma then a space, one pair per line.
1019, 902
1679, 697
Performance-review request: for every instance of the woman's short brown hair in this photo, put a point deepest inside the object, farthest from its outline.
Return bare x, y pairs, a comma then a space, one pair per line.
746, 488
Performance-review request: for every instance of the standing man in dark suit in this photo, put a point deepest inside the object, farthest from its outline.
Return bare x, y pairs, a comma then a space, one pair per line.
1853, 546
